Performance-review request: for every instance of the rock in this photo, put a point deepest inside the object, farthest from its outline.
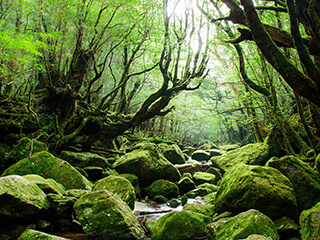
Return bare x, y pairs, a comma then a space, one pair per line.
203, 177
216, 152
173, 153
229, 147
180, 225
47, 185
160, 199
20, 197
34, 234
119, 186
210, 198
84, 159
207, 210
216, 172
305, 181
255, 154
94, 173
104, 215
48, 166
22, 149
309, 223
287, 228
133, 179
200, 155
184, 200
197, 192
242, 226
77, 193
210, 188
257, 237
148, 165
162, 187
245, 187
185, 185
174, 203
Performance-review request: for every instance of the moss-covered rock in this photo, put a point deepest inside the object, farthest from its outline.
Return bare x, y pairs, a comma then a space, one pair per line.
20, 197
77, 193
203, 177
185, 185
216, 152
162, 187
173, 153
210, 188
30, 234
200, 155
245, 187
48, 166
255, 153
309, 223
210, 198
216, 172
119, 186
104, 215
305, 181
257, 237
287, 228
133, 179
148, 165
229, 147
207, 210
242, 226
84, 159
47, 185
180, 226
22, 149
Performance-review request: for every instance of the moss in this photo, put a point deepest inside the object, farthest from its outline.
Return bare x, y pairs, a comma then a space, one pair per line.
309, 222
84, 159
203, 177
186, 184
104, 215
173, 153
200, 155
162, 187
133, 179
210, 198
119, 186
210, 188
180, 225
47, 185
48, 166
242, 226
207, 210
34, 234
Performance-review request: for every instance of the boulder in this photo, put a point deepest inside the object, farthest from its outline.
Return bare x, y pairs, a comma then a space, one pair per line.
47, 185
207, 210
133, 179
185, 185
216, 152
77, 193
148, 165
173, 153
216, 172
162, 187
34, 234
180, 225
287, 228
84, 159
20, 197
48, 166
255, 154
104, 215
203, 177
245, 187
229, 147
305, 181
23, 149
242, 226
118, 186
309, 223
200, 155
210, 198
210, 188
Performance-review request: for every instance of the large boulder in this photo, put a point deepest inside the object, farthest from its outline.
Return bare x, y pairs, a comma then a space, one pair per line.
173, 153
104, 215
185, 185
162, 187
305, 181
309, 223
20, 197
245, 187
242, 226
133, 179
47, 185
200, 155
148, 164
48, 166
84, 159
207, 210
119, 186
204, 177
34, 234
180, 225
255, 153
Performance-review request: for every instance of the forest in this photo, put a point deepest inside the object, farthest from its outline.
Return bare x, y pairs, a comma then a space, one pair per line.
194, 86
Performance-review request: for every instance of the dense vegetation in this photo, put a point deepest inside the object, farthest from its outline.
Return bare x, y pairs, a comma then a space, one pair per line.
78, 72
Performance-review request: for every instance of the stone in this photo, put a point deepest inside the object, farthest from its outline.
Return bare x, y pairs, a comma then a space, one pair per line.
203, 177
200, 155
34, 234
245, 187
216, 172
20, 197
207, 210
47, 185
180, 225
162, 187
118, 186
84, 159
305, 181
48, 166
197, 192
309, 223
210, 188
160, 199
216, 152
23, 149
287, 228
185, 185
210, 198
173, 153
148, 165
133, 179
229, 147
242, 226
255, 154
174, 203
77, 193
94, 173
103, 215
